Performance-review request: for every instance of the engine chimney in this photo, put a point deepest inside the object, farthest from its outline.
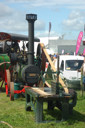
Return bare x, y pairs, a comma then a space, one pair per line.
31, 18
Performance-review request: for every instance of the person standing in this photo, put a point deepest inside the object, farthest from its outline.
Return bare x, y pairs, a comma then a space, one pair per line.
82, 82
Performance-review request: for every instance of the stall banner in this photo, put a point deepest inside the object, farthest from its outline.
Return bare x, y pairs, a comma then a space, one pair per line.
79, 42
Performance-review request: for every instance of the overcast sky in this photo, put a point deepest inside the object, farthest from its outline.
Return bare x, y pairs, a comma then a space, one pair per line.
67, 17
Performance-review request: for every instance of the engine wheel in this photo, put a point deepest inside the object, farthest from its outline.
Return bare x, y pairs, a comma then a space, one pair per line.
11, 91
8, 79
39, 55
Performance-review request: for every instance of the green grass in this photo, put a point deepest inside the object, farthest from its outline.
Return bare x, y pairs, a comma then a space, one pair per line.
13, 112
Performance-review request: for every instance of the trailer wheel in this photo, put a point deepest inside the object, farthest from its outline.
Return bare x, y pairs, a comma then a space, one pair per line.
11, 91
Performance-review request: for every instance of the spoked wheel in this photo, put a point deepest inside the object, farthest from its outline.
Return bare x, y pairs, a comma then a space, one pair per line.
41, 58
2, 78
2, 82
39, 52
11, 91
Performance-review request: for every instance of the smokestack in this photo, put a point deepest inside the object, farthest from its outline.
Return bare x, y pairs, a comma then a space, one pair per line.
31, 18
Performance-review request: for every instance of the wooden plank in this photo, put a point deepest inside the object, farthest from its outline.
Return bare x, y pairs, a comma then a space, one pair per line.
53, 67
41, 92
47, 84
47, 56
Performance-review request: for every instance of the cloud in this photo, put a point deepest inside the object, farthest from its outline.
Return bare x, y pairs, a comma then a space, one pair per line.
5, 10
37, 3
75, 21
19, 25
76, 14
12, 20
40, 25
46, 34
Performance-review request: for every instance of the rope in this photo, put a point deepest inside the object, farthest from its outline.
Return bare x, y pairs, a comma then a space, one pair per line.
6, 123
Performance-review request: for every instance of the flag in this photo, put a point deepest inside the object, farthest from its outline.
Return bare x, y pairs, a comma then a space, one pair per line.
79, 42
49, 27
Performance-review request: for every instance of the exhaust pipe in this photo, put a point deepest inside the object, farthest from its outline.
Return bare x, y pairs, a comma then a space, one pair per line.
31, 18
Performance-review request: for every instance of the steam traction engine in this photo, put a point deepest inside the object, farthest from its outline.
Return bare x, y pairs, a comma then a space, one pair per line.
26, 69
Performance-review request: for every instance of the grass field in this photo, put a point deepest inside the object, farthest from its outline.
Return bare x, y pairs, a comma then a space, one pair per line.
13, 112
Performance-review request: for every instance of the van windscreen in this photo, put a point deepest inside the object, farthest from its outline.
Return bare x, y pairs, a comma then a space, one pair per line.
73, 64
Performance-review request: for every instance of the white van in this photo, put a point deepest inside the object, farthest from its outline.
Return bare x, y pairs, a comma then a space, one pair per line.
69, 65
